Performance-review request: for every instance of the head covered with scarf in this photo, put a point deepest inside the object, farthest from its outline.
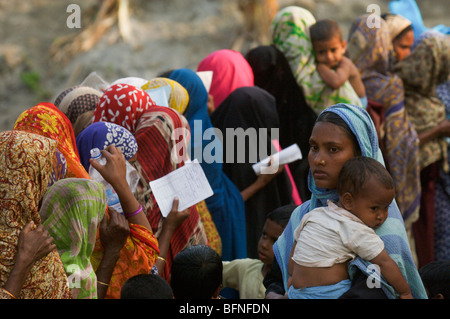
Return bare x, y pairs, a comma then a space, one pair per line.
230, 71
392, 232
26, 165
226, 203
290, 34
76, 100
178, 98
369, 50
47, 120
422, 71
102, 134
71, 210
163, 137
123, 104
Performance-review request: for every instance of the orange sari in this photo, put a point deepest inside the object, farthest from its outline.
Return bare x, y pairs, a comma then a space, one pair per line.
47, 120
138, 256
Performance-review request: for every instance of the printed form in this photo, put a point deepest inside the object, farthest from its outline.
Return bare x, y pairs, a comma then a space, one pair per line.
188, 183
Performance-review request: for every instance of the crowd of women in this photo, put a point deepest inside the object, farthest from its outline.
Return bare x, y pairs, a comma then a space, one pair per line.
56, 227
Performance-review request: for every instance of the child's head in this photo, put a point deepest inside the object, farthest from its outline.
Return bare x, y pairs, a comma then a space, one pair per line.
275, 223
146, 286
196, 273
328, 45
436, 279
366, 189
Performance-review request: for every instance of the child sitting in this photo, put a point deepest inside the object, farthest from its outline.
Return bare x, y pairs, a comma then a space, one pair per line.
327, 238
334, 68
246, 275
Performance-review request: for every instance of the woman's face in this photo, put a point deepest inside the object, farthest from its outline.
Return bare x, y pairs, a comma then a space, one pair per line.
330, 148
402, 45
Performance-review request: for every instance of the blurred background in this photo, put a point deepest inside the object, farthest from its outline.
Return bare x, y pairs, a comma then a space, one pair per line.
40, 55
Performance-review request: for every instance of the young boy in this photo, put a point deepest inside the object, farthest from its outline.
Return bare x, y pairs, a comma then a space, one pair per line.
334, 68
146, 286
436, 279
327, 238
246, 275
196, 273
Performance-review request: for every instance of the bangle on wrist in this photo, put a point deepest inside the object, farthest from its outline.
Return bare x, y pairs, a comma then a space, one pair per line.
8, 293
128, 215
102, 283
161, 258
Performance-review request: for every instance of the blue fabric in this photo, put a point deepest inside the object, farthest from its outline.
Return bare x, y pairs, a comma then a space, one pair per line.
364, 101
101, 135
409, 10
226, 205
320, 292
392, 232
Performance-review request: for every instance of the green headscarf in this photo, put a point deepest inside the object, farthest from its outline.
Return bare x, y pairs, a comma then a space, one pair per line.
71, 211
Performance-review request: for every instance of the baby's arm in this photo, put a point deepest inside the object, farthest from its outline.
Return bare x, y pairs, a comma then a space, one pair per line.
393, 275
337, 77
355, 78
346, 70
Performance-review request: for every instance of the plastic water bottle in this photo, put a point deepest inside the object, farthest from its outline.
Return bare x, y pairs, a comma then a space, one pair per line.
112, 199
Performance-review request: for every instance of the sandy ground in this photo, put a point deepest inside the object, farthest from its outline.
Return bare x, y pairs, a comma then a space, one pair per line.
167, 34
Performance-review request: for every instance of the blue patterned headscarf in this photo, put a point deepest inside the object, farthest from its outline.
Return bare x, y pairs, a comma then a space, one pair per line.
101, 135
392, 232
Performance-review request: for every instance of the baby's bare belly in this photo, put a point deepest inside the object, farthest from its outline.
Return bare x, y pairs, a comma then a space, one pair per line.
303, 277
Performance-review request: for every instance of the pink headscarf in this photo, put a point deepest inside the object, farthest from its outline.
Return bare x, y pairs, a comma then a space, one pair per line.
230, 71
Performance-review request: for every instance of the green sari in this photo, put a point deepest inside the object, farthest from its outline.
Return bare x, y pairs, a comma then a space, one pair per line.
71, 210
290, 34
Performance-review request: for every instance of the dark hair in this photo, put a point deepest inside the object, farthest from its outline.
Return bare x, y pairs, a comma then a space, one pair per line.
333, 118
436, 278
196, 273
146, 286
281, 215
324, 30
357, 171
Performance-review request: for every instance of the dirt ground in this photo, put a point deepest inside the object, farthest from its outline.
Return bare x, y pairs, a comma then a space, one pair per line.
165, 34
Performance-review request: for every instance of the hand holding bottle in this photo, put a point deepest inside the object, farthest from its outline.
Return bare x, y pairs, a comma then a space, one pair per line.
115, 170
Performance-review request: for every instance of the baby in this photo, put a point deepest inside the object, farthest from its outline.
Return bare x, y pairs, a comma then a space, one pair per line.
334, 68
327, 238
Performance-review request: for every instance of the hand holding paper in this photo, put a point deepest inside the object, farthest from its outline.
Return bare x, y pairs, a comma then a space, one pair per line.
188, 183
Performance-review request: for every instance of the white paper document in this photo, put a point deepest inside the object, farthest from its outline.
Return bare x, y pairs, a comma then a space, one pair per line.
160, 95
206, 77
286, 156
188, 183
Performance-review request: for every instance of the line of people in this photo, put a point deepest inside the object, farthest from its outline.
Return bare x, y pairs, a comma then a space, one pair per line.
378, 95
